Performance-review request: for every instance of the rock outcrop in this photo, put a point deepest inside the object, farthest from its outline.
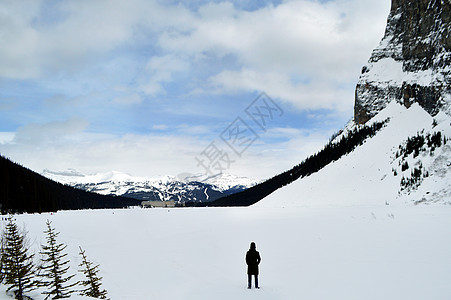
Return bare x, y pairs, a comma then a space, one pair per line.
412, 62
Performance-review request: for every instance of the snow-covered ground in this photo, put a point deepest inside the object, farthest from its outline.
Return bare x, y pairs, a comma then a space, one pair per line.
348, 252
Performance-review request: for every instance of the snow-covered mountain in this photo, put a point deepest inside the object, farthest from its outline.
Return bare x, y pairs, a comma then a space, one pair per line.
412, 63
408, 81
182, 188
382, 171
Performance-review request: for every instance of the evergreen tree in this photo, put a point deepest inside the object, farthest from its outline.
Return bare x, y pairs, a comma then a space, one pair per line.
18, 269
404, 166
2, 247
54, 267
92, 284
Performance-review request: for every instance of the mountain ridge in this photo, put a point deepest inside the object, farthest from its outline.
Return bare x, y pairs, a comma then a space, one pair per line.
183, 188
372, 174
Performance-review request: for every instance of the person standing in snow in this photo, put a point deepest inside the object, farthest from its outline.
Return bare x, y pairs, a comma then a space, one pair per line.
252, 260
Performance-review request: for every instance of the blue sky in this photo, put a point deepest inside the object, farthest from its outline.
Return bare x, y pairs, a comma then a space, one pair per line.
144, 86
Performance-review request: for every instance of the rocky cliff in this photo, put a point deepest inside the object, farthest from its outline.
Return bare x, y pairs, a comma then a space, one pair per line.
412, 62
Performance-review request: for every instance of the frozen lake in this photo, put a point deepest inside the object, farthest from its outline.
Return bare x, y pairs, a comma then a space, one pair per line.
355, 252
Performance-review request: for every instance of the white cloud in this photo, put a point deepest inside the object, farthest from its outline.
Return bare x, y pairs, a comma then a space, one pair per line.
297, 36
66, 144
140, 155
154, 155
322, 45
276, 157
161, 70
18, 39
301, 37
308, 95
7, 137
78, 33
52, 132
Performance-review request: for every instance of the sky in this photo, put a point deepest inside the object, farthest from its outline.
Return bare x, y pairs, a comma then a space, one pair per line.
154, 88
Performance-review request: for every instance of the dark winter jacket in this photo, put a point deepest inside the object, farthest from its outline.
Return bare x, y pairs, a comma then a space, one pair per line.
252, 260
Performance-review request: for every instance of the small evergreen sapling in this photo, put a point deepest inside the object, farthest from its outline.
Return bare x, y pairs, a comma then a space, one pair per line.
18, 268
54, 267
92, 284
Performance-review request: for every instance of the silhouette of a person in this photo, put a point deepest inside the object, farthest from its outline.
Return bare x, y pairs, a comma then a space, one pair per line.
252, 260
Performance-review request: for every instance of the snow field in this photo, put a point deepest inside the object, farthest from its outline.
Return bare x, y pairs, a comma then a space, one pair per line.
365, 176
354, 252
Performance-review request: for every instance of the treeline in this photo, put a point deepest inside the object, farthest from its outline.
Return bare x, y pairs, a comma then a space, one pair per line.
25, 191
331, 152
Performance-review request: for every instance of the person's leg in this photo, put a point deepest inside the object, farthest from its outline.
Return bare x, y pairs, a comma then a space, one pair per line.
249, 281
256, 282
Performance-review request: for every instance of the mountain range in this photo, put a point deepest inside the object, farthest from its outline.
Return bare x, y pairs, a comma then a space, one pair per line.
181, 189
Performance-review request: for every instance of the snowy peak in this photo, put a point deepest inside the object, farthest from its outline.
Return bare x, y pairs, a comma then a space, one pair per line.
412, 63
185, 187
222, 181
72, 176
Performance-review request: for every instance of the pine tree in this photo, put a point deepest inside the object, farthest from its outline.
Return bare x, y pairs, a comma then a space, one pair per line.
92, 284
54, 267
18, 269
2, 250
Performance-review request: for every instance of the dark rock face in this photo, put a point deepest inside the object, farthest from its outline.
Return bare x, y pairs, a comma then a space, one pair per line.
412, 62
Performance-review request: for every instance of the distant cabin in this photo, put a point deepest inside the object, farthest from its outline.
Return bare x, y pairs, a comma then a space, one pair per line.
169, 203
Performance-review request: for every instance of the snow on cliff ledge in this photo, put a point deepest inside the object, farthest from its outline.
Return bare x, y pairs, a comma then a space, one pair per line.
412, 63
